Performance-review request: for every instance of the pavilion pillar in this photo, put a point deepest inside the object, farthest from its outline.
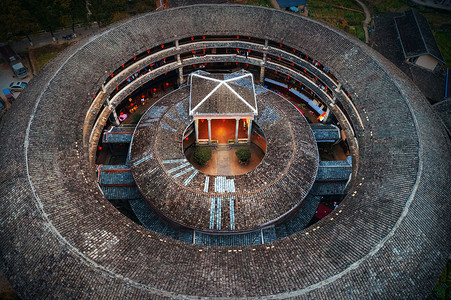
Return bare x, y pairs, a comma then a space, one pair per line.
262, 69
180, 80
196, 130
115, 118
249, 131
327, 116
209, 131
236, 130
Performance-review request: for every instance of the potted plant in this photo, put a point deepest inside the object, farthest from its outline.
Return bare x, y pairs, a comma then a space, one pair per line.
202, 155
244, 155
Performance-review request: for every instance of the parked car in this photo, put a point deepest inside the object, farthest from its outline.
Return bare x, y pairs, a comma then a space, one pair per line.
8, 95
17, 86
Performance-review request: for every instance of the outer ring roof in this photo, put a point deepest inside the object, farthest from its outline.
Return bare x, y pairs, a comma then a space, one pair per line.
60, 238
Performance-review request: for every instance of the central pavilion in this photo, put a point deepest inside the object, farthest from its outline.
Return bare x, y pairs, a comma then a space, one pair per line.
222, 106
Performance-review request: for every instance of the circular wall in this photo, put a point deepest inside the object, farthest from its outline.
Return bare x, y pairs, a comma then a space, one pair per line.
60, 237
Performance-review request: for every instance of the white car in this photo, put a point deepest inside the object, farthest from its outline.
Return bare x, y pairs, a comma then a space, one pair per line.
17, 86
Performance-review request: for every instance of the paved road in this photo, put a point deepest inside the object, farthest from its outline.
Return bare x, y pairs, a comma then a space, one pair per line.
366, 21
45, 38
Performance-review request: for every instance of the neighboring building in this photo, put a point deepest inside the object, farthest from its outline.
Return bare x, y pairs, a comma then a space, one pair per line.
407, 41
291, 3
417, 41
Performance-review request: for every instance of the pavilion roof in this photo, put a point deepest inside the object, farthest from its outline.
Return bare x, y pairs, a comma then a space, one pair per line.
222, 94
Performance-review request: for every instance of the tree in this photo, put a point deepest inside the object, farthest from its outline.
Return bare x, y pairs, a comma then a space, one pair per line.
15, 21
202, 155
46, 12
106, 11
243, 154
76, 10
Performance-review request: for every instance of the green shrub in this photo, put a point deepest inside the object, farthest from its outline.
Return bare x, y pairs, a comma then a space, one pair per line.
202, 155
243, 154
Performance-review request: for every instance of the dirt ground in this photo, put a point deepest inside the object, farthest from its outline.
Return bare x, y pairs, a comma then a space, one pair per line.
6, 291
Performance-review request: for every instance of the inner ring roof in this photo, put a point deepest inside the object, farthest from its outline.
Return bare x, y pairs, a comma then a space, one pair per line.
178, 191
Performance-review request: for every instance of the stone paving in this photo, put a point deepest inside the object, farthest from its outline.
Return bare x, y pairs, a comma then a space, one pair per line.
224, 161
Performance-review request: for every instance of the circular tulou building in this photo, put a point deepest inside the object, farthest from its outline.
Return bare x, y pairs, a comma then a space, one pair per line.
61, 237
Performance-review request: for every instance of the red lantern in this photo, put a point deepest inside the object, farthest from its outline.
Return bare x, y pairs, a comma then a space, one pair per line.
186, 138
162, 46
100, 148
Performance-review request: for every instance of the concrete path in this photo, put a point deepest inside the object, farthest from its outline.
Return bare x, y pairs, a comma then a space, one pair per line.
45, 38
275, 4
366, 21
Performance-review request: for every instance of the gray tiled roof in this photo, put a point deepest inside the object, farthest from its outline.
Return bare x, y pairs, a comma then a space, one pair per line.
443, 109
385, 40
213, 94
416, 35
60, 238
